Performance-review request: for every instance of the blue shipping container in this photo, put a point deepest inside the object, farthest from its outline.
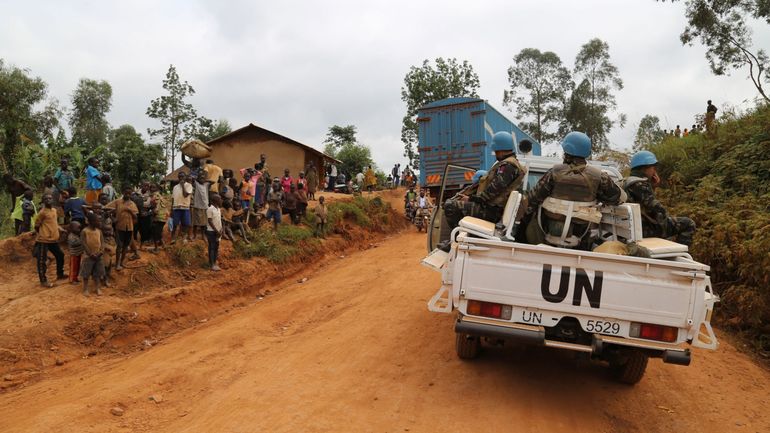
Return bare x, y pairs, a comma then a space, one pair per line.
458, 131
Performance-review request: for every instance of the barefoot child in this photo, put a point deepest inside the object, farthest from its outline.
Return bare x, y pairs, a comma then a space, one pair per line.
320, 217
93, 248
214, 230
110, 248
76, 250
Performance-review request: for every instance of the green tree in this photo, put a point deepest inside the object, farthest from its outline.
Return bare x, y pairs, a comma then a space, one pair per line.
340, 135
26, 115
213, 130
130, 160
592, 101
648, 133
539, 84
342, 143
179, 120
425, 84
91, 101
722, 26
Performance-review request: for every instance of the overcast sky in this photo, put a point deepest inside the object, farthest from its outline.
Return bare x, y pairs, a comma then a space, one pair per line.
298, 67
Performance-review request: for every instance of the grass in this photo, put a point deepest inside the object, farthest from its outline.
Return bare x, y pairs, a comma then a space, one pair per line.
189, 255
298, 242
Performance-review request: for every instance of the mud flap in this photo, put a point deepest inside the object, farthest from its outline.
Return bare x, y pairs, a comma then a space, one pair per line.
706, 339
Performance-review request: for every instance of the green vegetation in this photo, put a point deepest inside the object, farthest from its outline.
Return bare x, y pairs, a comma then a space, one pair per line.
297, 243
723, 183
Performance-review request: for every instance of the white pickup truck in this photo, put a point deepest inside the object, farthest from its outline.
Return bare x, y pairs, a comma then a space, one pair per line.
616, 308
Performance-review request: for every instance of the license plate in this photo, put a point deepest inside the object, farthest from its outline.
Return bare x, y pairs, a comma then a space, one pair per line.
608, 327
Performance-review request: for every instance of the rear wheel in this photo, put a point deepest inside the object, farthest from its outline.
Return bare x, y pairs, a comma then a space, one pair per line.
632, 368
467, 346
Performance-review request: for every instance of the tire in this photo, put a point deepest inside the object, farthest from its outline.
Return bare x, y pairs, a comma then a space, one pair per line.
467, 346
632, 371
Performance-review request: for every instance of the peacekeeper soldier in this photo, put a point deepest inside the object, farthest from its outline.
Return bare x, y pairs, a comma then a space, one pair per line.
490, 196
565, 202
656, 222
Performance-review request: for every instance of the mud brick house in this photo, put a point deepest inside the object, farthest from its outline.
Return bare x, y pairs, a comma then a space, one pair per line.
242, 147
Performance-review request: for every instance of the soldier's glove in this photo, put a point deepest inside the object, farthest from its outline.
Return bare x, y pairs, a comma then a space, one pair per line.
476, 199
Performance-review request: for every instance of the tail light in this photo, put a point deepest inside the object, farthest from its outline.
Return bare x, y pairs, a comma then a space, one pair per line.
649, 331
489, 309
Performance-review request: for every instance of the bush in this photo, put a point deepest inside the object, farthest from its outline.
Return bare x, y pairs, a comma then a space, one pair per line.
723, 184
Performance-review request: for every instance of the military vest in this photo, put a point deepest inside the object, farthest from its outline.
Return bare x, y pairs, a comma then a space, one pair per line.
575, 182
626, 185
486, 180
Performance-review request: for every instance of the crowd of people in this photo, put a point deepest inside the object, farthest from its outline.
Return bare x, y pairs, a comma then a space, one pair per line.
697, 128
102, 229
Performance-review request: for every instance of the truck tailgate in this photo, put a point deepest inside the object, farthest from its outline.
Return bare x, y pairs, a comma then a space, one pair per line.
538, 277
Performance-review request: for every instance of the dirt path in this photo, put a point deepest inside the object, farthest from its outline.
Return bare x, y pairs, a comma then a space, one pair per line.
354, 349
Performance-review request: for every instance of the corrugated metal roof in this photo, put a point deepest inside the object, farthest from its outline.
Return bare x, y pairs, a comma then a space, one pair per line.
283, 137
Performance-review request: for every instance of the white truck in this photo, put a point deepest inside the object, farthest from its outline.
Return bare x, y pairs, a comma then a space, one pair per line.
616, 308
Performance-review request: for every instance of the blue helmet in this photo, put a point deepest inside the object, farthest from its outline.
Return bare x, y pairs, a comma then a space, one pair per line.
644, 157
502, 141
478, 175
576, 144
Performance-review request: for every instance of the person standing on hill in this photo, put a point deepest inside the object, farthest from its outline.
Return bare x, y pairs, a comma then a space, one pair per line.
656, 222
94, 181
64, 179
274, 200
214, 230
370, 179
214, 175
312, 181
286, 181
677, 132
396, 174
321, 215
126, 215
200, 203
48, 233
92, 265
711, 116
180, 207
14, 187
332, 177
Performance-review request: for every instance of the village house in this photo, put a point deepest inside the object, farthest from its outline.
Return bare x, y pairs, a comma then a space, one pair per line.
242, 147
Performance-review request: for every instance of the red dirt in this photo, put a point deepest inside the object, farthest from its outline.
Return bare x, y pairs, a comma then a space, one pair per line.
353, 348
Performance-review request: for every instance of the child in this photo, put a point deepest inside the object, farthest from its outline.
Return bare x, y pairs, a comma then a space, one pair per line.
290, 204
214, 230
227, 220
246, 190
24, 213
73, 207
93, 248
286, 182
110, 249
108, 189
235, 219
274, 200
301, 201
320, 217
160, 211
75, 245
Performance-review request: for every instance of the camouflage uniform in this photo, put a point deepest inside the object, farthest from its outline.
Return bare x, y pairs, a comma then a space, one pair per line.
655, 220
573, 180
490, 196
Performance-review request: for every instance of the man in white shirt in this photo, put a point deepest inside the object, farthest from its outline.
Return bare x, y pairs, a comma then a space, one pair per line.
181, 196
214, 230
332, 177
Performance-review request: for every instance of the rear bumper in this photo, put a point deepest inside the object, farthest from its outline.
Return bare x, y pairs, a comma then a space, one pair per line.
535, 335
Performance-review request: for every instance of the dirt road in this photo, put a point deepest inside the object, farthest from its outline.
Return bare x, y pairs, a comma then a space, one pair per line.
354, 349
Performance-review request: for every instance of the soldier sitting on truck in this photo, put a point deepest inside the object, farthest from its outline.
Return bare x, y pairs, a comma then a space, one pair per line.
488, 200
640, 189
564, 203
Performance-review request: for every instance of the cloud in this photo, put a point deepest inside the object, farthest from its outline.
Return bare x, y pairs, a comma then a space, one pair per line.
298, 67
